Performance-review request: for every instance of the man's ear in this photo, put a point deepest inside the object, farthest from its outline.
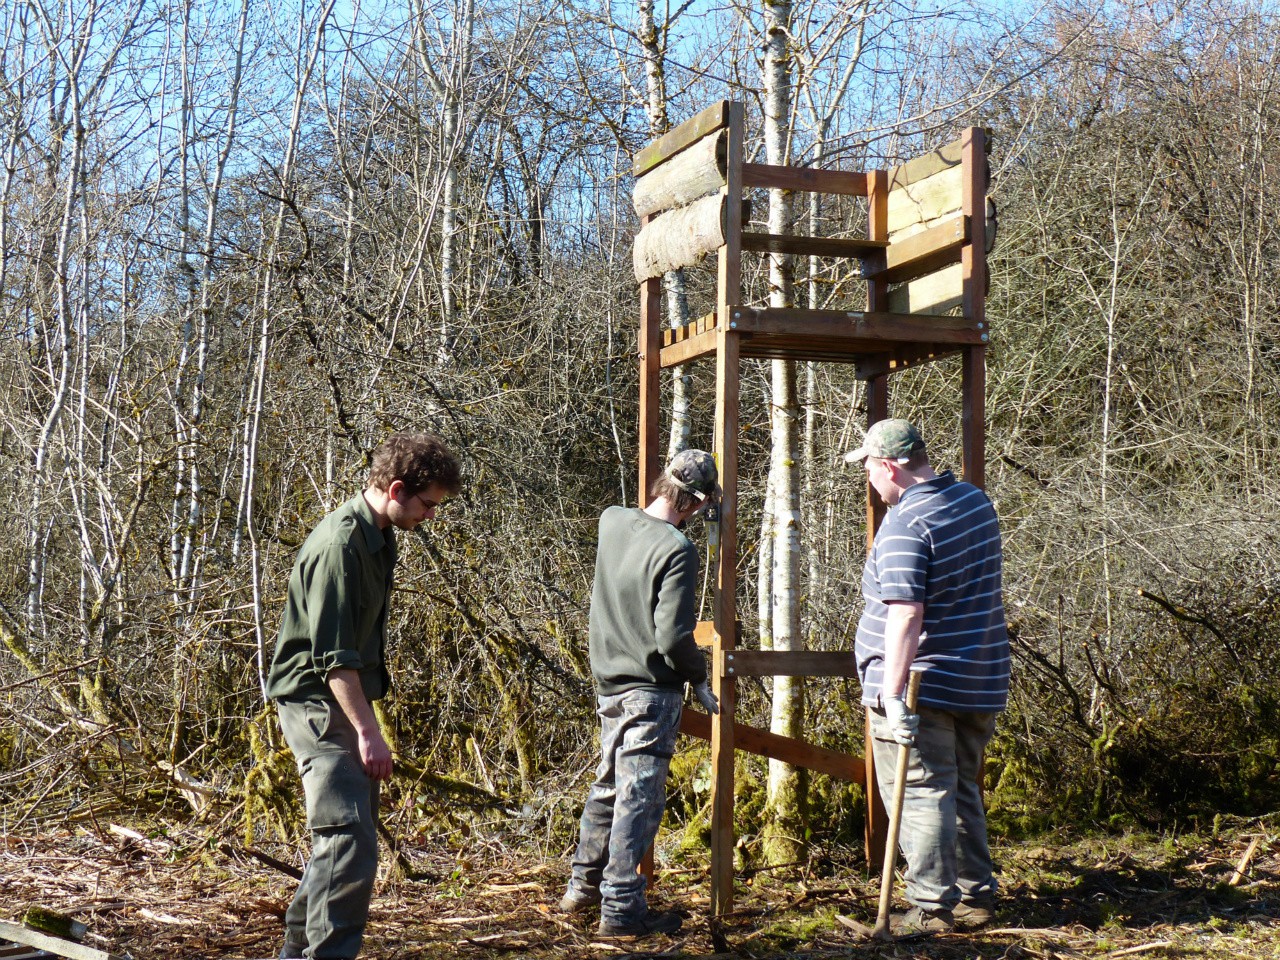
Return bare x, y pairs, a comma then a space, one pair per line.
394, 489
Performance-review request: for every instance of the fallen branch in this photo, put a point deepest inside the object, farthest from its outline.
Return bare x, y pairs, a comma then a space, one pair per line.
1244, 862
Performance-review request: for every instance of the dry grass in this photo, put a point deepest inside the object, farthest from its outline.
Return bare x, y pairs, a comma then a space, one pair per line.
178, 896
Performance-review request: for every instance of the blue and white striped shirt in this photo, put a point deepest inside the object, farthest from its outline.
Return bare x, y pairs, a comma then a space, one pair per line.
940, 546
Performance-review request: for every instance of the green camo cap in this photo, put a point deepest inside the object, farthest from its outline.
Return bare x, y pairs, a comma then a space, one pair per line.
889, 440
694, 471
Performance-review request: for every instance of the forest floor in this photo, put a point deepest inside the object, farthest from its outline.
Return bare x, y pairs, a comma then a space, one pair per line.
166, 895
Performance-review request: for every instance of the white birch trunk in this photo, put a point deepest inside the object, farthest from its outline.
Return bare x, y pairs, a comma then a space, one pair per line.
654, 52
784, 833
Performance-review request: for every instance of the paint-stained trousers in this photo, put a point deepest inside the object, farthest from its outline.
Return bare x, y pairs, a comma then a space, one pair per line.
328, 914
944, 826
624, 807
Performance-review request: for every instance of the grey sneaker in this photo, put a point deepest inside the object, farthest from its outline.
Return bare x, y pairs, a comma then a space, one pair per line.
655, 921
974, 914
575, 901
919, 920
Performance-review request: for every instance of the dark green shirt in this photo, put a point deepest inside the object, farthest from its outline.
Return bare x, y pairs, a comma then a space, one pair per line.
643, 605
335, 616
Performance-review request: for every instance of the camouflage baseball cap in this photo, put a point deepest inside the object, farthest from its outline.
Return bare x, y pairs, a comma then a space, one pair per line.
694, 471
888, 440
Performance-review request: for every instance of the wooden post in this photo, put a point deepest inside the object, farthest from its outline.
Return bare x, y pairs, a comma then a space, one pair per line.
650, 383
729, 295
877, 409
973, 263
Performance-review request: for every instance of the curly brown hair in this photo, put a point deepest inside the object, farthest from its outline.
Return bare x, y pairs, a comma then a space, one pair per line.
417, 460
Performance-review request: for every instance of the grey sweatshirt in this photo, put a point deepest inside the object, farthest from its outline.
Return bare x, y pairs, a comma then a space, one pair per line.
643, 605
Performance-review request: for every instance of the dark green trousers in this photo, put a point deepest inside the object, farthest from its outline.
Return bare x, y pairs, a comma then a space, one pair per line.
330, 909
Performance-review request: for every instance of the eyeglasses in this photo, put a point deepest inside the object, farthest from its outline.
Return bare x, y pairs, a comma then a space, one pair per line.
427, 503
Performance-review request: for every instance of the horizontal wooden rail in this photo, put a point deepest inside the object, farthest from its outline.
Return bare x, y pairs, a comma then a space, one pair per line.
927, 251
704, 632
856, 325
846, 766
790, 663
805, 179
848, 248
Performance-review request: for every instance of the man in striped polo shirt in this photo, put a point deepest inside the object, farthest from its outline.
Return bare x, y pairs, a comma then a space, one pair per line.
933, 603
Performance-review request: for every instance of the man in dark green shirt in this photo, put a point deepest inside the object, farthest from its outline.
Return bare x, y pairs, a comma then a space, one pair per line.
329, 666
643, 611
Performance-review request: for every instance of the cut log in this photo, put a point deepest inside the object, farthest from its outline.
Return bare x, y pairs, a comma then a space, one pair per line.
673, 141
680, 237
689, 175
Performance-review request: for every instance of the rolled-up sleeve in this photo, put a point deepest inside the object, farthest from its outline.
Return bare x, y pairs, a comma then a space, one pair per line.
332, 590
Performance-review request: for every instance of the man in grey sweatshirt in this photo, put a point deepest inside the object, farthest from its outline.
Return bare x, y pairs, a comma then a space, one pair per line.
643, 611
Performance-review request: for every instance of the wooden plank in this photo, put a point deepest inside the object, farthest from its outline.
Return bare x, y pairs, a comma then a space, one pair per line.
807, 179
55, 945
846, 248
935, 294
704, 633
678, 334
697, 346
926, 251
919, 168
931, 198
854, 325
900, 358
16, 951
791, 663
844, 766
691, 131
691, 174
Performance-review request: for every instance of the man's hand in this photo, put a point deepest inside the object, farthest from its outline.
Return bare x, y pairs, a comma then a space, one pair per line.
375, 755
705, 697
903, 724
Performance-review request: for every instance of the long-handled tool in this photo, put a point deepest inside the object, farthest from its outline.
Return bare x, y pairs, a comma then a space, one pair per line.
881, 930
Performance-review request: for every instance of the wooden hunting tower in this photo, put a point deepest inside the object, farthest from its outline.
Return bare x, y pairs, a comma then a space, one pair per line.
929, 228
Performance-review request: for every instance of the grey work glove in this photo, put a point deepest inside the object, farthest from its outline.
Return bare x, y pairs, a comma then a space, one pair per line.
705, 697
903, 724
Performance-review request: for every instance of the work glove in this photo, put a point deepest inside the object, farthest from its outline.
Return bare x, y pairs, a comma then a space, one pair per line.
903, 724
705, 697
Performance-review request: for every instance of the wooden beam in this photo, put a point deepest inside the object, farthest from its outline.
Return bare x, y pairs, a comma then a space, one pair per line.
762, 743
791, 663
855, 325
727, 418
54, 945
691, 131
877, 827
691, 174
805, 179
704, 633
844, 248
650, 386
